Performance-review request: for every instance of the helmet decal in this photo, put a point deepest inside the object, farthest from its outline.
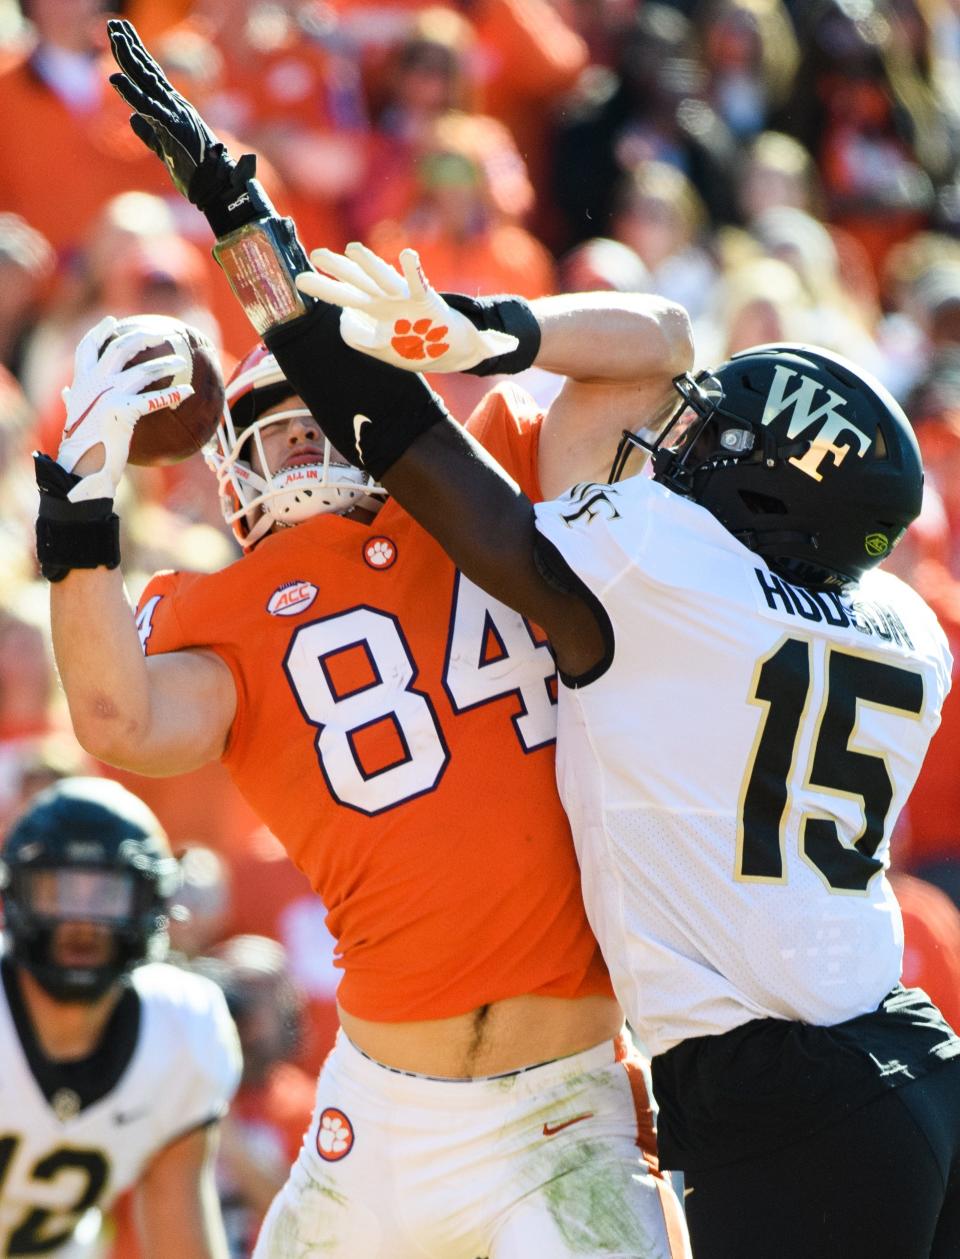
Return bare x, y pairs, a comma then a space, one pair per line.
877, 544
805, 412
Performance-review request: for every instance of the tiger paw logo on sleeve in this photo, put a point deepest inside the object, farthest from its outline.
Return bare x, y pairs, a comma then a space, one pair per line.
334, 1135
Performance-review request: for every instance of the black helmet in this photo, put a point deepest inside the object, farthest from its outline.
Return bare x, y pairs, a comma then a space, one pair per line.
805, 458
110, 864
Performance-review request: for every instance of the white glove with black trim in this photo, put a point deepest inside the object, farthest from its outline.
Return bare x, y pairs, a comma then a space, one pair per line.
104, 402
399, 319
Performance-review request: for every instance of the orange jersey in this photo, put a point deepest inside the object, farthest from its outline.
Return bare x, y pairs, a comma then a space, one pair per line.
395, 729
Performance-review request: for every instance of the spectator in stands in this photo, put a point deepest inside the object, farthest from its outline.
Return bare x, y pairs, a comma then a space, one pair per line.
652, 109
133, 260
526, 58
61, 123
26, 267
602, 263
943, 46
750, 53
40, 763
841, 318
26, 677
776, 171
658, 213
758, 301
424, 77
866, 105
27, 689
931, 564
471, 193
283, 80
201, 905
269, 896
119, 227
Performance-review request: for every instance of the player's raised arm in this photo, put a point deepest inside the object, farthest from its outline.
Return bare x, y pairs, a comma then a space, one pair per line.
387, 421
162, 716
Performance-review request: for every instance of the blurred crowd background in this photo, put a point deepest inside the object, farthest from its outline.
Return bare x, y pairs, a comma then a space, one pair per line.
787, 169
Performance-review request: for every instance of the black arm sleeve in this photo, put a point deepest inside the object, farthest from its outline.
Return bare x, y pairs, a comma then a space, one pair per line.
451, 486
338, 383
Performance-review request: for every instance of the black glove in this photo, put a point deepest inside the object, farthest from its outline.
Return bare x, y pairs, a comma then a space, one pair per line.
202, 170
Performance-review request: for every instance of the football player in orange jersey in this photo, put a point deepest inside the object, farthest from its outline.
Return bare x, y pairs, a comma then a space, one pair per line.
394, 727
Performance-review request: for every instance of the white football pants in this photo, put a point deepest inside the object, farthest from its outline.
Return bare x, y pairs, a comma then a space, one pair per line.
552, 1162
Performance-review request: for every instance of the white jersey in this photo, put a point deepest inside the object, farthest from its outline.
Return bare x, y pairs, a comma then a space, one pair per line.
58, 1173
733, 778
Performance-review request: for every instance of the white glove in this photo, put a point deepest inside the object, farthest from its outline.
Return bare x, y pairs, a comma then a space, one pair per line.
104, 402
400, 320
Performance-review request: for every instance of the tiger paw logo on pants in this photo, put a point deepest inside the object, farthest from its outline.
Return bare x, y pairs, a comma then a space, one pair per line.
334, 1135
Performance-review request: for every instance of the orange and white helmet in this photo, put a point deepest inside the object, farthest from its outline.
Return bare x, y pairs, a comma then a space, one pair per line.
253, 503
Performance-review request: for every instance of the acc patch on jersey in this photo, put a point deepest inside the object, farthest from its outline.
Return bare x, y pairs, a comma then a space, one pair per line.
380, 552
292, 597
334, 1135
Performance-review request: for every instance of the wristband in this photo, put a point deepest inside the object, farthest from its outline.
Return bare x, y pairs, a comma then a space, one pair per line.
501, 314
370, 411
72, 535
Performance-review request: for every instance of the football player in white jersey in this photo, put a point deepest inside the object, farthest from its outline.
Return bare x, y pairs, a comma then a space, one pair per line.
116, 1066
745, 707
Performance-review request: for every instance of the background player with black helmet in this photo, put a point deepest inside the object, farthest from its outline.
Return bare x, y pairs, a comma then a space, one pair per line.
738, 888
394, 727
116, 1066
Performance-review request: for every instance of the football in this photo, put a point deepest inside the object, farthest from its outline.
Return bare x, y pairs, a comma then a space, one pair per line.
165, 436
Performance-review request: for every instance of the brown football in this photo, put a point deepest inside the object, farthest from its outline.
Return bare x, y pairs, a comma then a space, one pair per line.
163, 435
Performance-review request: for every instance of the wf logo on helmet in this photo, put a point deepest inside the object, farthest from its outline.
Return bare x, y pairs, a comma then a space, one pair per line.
832, 422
